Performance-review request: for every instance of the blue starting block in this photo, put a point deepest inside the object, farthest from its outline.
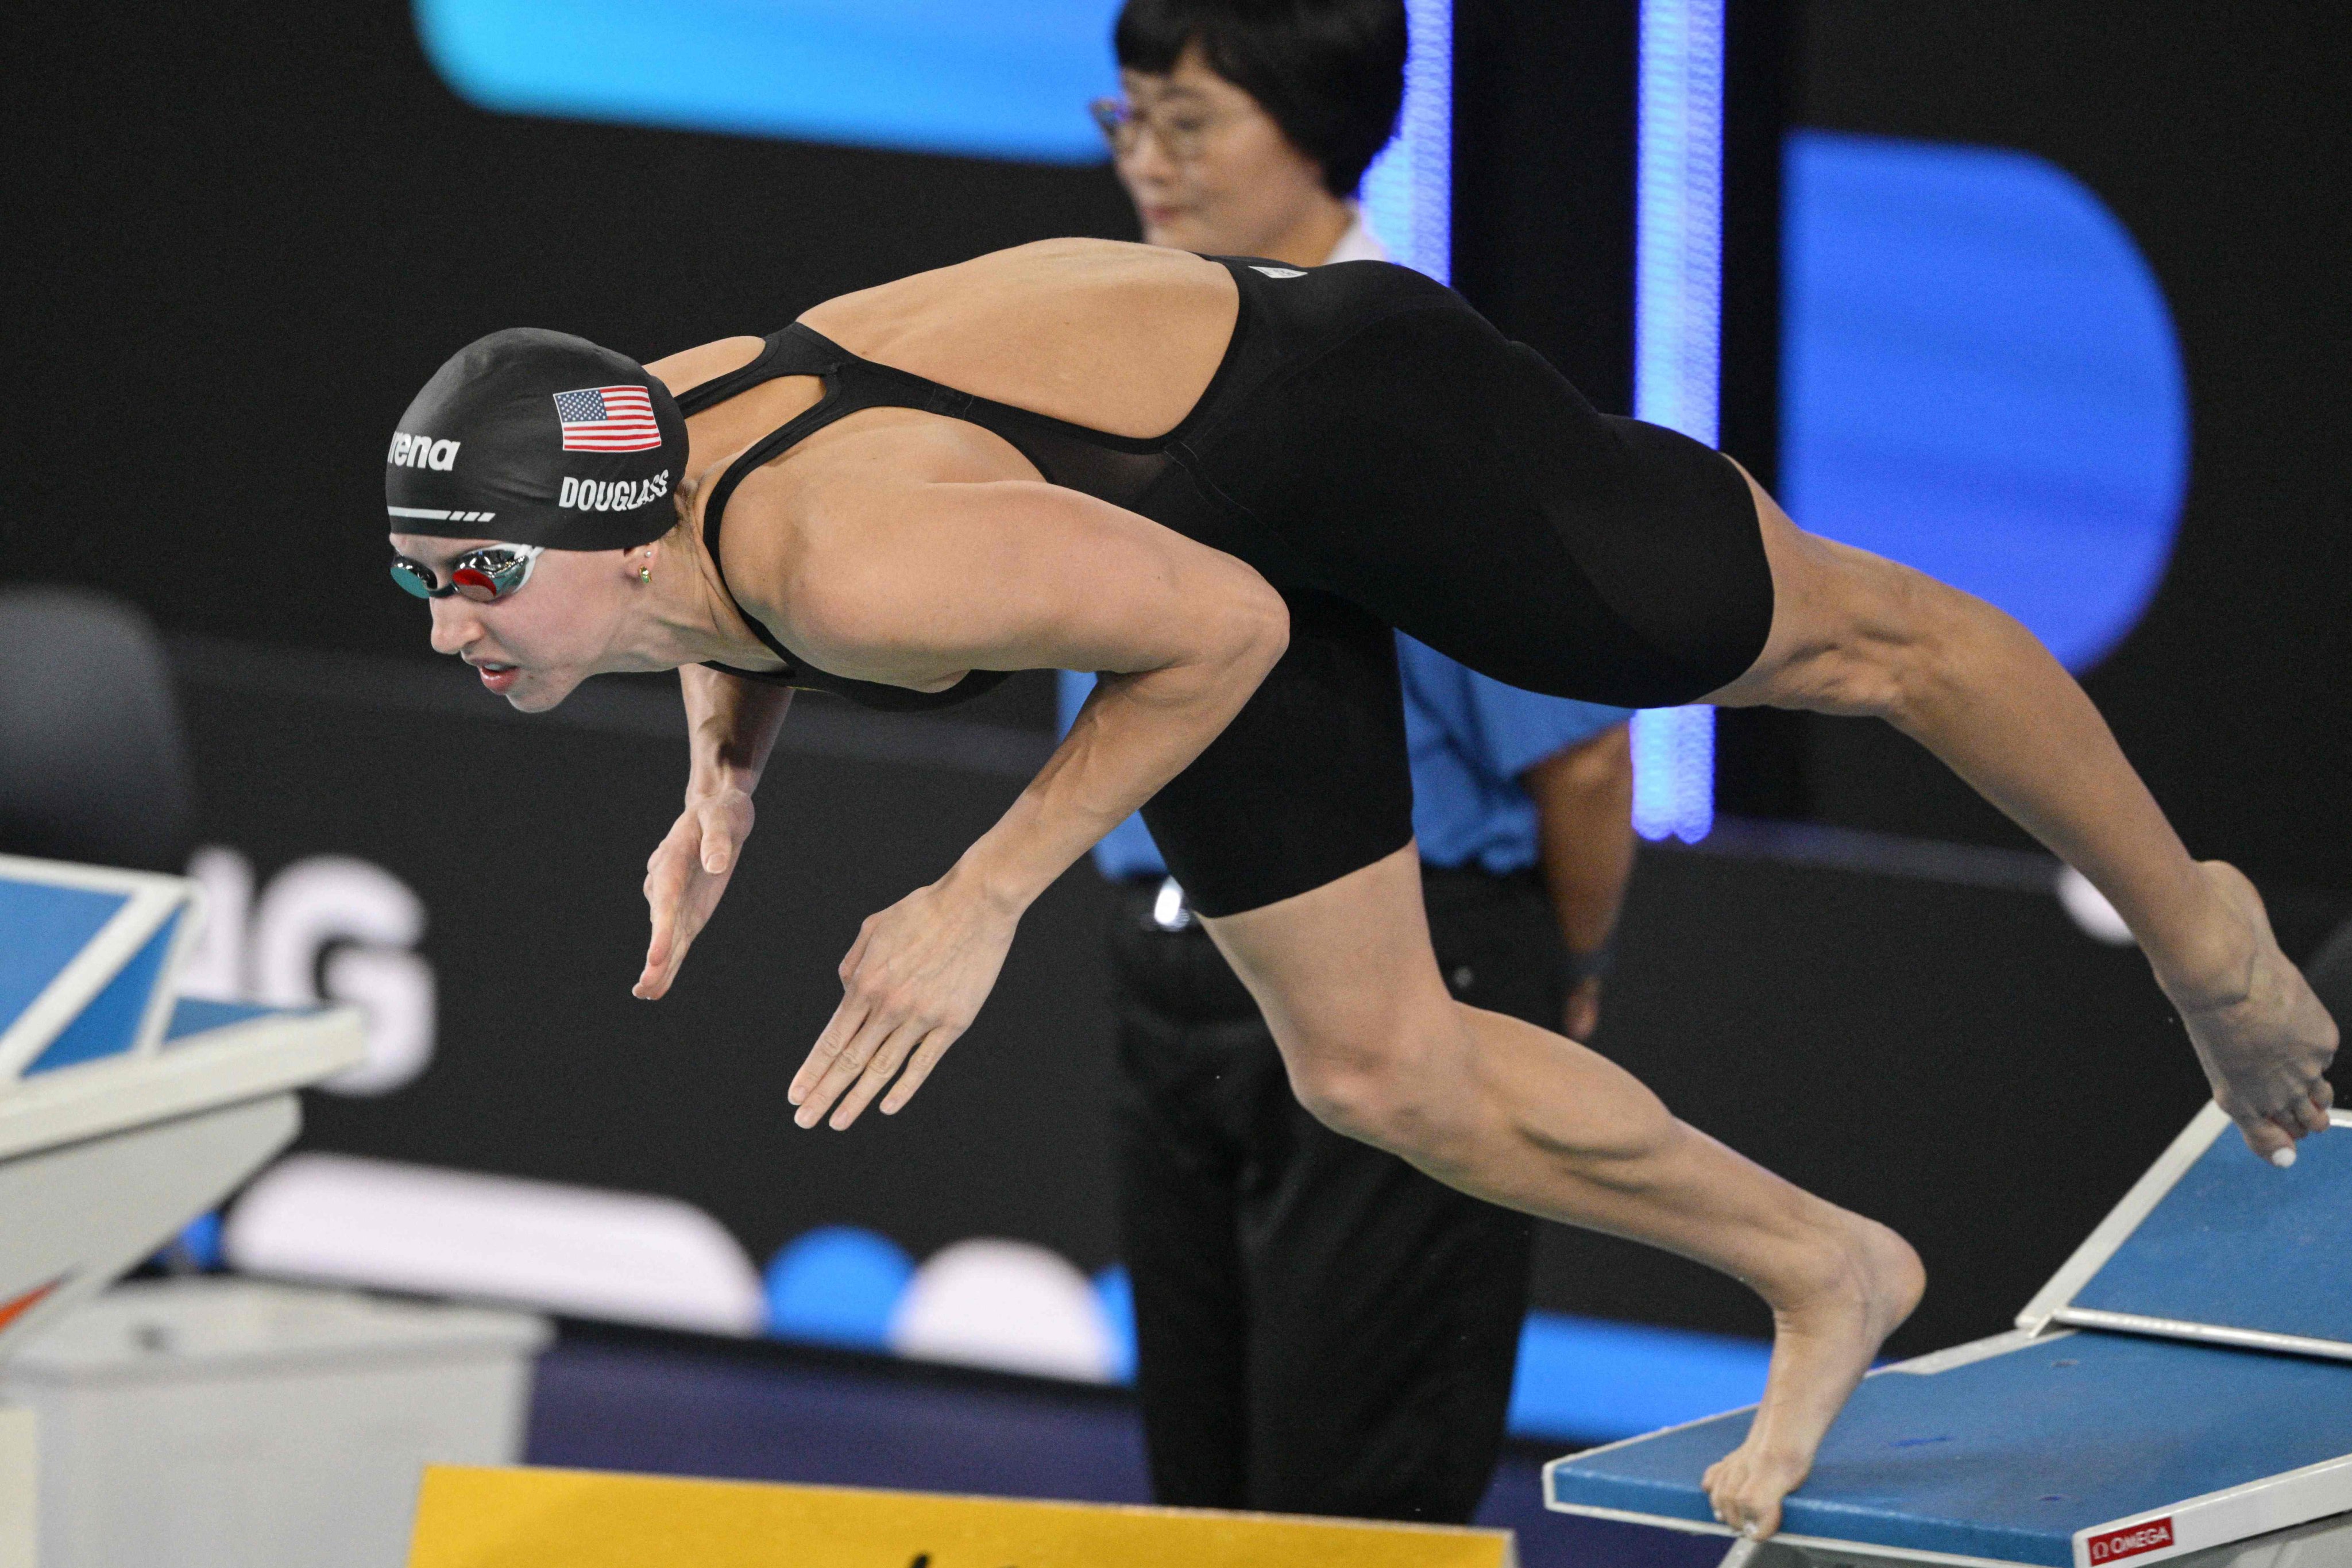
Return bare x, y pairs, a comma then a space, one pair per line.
124, 1112
2181, 1390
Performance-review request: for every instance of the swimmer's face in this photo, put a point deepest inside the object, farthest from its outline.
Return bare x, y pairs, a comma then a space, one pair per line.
1232, 185
535, 645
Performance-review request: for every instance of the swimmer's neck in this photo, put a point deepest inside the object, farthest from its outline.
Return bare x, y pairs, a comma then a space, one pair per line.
683, 614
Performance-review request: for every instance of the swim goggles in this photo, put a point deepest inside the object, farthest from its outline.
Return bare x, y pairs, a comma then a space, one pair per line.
483, 575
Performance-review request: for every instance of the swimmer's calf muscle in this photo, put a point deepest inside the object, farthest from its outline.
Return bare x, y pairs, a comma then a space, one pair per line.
1854, 633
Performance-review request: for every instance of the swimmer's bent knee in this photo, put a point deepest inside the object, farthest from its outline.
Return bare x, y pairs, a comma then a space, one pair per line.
1388, 1097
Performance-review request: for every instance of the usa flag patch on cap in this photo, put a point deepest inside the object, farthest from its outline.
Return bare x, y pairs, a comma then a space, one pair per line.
607, 419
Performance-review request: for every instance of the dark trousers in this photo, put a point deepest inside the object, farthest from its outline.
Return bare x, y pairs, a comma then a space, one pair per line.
1321, 1328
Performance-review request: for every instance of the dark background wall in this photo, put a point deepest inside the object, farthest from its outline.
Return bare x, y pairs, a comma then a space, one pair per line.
2217, 133
243, 240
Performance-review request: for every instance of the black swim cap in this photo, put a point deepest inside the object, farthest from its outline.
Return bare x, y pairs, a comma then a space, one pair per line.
537, 437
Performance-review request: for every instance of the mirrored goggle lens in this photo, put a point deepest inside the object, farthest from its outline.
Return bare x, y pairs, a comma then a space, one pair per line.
480, 575
413, 578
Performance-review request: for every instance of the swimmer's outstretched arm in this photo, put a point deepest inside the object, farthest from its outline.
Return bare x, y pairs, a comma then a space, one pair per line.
1854, 633
731, 725
931, 580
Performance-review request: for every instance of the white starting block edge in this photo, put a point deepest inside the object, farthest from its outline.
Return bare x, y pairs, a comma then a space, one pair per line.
256, 1057
2219, 1524
2053, 1303
150, 900
2263, 1523
2270, 1549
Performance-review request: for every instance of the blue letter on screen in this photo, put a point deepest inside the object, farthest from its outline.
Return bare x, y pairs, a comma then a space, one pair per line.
1981, 380
995, 79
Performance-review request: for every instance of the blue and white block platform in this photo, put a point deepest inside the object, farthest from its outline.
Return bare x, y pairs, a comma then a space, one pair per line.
2181, 1390
123, 1112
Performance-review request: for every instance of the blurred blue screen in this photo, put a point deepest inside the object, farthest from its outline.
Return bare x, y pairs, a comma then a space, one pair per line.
939, 75
1980, 379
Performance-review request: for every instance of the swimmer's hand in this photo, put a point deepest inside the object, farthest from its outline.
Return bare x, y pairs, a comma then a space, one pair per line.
2266, 1048
685, 877
910, 986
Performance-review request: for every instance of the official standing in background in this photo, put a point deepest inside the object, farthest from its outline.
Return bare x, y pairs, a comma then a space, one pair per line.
1321, 1328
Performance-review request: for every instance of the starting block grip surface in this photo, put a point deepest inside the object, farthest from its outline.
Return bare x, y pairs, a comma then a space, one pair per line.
2239, 1244
2007, 1457
45, 926
570, 1519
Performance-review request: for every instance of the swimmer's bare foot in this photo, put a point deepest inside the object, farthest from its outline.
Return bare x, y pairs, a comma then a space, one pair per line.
1821, 1344
2266, 1042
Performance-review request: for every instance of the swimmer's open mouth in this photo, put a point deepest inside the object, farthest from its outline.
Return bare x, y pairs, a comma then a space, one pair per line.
496, 677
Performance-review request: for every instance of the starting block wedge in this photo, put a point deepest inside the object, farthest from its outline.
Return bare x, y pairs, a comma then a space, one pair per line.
84, 951
2181, 1390
124, 1112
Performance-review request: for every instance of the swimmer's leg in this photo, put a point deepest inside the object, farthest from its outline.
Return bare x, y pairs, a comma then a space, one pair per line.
1378, 1049
1855, 634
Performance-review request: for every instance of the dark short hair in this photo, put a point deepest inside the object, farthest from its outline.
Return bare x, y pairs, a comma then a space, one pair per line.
1329, 72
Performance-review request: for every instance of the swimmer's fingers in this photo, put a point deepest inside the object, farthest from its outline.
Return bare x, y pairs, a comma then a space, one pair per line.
668, 874
925, 965
857, 1028
879, 1070
847, 1022
926, 1056
685, 877
843, 1068
722, 834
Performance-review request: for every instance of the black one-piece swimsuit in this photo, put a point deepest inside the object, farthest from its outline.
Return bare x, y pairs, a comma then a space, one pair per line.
1385, 458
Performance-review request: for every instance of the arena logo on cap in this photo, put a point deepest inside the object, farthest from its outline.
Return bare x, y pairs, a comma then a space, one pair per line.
616, 495
422, 452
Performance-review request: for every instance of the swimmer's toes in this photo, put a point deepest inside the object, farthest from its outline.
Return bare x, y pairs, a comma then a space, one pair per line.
1746, 1488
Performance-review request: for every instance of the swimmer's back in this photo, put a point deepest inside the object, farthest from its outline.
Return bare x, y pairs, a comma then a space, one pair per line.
1119, 338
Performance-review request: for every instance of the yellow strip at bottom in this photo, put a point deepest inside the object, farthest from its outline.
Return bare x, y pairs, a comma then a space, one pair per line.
572, 1519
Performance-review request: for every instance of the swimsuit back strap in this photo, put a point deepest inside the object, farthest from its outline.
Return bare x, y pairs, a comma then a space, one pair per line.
800, 351
794, 350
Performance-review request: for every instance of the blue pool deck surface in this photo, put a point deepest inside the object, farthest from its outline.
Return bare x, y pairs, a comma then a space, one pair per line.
2239, 1244
2006, 1457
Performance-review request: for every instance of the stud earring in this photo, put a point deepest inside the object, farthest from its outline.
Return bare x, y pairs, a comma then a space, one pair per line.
645, 571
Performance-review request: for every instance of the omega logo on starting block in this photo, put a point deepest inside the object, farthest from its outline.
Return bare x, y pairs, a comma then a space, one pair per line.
2118, 1545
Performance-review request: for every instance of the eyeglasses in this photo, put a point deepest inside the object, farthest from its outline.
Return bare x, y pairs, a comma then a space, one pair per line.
483, 575
1182, 133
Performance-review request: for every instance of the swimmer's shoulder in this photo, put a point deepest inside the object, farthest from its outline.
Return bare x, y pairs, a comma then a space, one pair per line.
1044, 269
